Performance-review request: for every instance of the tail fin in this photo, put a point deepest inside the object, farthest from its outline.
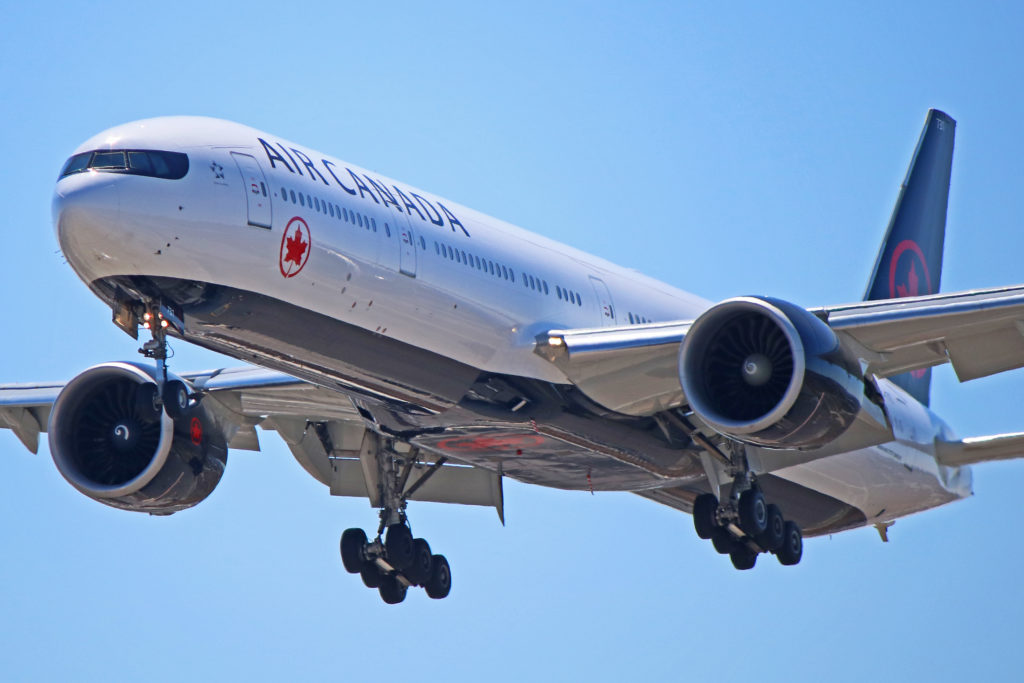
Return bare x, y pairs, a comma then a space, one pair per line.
910, 260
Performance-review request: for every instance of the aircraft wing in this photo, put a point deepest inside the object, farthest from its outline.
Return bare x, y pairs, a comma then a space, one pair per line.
979, 332
980, 449
322, 428
634, 370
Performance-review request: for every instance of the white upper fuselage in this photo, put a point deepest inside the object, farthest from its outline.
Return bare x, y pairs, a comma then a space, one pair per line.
404, 264
197, 228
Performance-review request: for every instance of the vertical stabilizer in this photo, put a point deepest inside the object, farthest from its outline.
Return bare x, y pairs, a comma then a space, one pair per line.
910, 260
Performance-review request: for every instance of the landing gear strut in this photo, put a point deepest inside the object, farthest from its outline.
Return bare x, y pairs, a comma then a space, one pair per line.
394, 560
171, 394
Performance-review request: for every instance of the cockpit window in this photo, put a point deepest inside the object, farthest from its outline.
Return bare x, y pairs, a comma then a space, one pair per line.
147, 162
107, 160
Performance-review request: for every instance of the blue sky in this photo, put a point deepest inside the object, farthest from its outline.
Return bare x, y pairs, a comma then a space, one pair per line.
727, 149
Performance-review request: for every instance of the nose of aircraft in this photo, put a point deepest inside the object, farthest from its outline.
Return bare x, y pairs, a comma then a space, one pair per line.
87, 220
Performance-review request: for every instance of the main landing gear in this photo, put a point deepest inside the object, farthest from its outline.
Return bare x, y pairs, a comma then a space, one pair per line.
747, 526
394, 561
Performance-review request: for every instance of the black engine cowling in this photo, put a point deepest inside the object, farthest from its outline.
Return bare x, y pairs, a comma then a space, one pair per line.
769, 373
111, 444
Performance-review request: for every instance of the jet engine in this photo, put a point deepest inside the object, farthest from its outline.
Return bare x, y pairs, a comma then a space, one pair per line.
112, 443
767, 372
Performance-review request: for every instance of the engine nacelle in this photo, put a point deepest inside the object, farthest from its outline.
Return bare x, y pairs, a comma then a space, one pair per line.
768, 373
113, 446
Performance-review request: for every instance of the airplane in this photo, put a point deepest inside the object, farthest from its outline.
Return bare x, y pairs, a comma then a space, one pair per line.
407, 348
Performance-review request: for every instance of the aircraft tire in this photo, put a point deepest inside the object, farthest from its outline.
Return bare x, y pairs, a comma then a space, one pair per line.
398, 545
175, 398
775, 532
391, 590
440, 583
419, 572
753, 513
723, 541
352, 542
743, 557
704, 508
370, 575
145, 401
792, 547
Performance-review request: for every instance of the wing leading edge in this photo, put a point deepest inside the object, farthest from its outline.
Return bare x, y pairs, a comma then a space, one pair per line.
635, 370
322, 428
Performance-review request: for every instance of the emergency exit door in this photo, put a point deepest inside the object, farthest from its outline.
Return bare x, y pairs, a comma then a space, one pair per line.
407, 244
257, 194
604, 301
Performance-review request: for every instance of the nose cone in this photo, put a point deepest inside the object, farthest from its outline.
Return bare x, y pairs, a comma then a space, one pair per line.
87, 220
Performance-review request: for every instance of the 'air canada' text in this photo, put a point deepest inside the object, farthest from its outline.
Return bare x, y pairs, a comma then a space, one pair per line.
407, 202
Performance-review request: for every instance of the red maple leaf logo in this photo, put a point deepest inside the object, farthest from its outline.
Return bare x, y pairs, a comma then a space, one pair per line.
296, 245
912, 281
295, 248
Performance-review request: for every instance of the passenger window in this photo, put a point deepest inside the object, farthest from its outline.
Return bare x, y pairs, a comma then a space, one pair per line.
292, 193
317, 200
284, 194
302, 200
545, 283
423, 244
330, 209
387, 230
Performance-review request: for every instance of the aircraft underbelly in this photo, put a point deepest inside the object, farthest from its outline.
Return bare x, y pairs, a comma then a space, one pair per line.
884, 482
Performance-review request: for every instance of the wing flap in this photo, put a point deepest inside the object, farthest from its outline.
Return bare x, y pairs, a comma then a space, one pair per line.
980, 332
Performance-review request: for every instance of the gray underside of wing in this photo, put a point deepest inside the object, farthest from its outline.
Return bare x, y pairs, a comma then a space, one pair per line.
323, 429
25, 410
632, 370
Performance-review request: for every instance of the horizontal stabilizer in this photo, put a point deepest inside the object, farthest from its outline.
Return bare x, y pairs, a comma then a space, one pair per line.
980, 449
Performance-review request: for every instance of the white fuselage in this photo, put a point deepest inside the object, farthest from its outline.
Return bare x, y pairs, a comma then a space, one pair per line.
407, 265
